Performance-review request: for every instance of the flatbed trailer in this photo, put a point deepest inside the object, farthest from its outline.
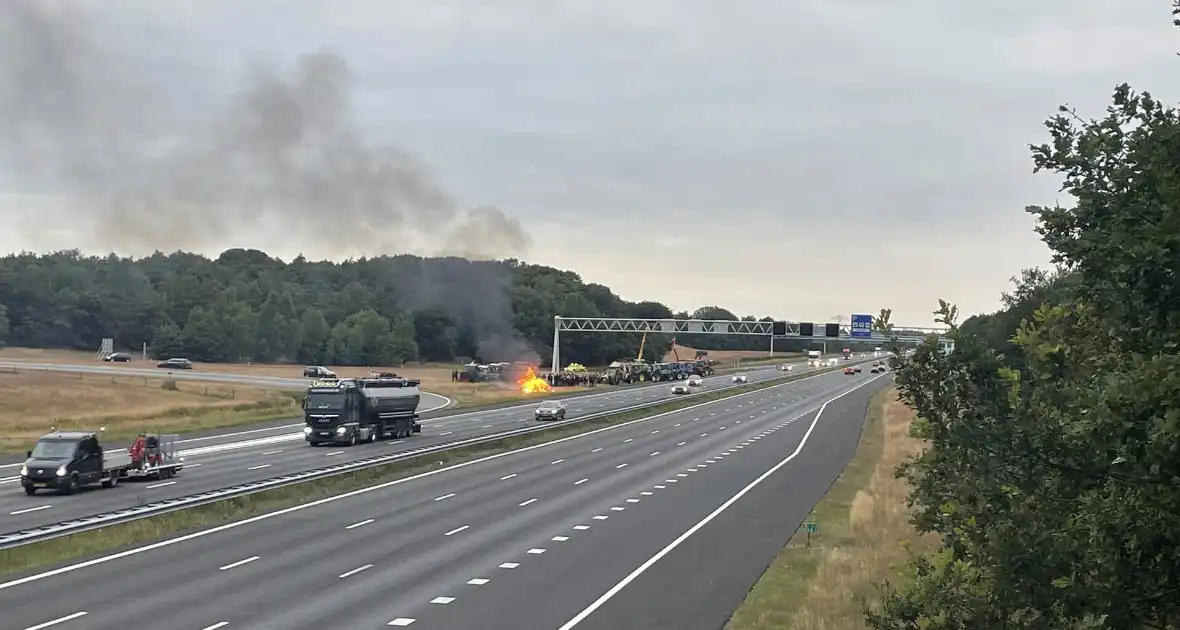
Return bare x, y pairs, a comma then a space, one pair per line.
67, 461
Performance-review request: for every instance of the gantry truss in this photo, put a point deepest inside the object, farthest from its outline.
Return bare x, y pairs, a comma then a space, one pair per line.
785, 330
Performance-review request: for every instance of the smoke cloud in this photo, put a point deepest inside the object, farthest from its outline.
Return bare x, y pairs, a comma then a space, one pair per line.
285, 156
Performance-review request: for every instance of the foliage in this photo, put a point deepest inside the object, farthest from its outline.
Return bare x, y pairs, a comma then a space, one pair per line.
1053, 473
246, 305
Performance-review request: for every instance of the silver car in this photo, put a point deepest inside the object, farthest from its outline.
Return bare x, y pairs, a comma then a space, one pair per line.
550, 410
740, 378
680, 389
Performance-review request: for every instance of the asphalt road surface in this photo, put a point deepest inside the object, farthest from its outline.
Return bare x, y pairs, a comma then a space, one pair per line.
660, 523
430, 402
222, 460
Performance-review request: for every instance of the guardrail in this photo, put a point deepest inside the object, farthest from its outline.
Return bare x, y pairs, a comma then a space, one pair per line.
116, 517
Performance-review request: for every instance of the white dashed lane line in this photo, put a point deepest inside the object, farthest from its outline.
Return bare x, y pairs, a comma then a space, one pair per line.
259, 467
32, 509
444, 600
354, 571
234, 565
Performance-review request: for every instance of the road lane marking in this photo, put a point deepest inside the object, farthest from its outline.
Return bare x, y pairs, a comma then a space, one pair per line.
259, 467
478, 581
580, 482
48, 624
445, 496
505, 477
354, 571
32, 509
509, 565
614, 590
533, 500
360, 524
442, 601
456, 530
239, 563
160, 485
402, 621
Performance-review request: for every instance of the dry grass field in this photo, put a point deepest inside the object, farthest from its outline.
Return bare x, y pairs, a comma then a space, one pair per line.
435, 378
35, 401
864, 532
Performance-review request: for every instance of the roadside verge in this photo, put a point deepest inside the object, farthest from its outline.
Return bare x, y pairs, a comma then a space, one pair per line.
863, 535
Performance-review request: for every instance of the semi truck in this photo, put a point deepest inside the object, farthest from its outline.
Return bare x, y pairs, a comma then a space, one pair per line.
355, 410
67, 461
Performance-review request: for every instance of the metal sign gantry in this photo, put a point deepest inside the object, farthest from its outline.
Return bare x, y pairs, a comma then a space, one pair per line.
773, 330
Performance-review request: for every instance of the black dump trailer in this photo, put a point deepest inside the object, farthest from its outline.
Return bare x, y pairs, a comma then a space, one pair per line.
361, 410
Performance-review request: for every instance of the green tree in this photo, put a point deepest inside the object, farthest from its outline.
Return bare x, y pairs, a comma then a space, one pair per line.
4, 326
1053, 476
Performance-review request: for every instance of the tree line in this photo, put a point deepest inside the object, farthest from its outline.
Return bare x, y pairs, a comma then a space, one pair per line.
1052, 475
245, 305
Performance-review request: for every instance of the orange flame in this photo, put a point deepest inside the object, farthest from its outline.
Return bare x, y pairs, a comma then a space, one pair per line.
530, 383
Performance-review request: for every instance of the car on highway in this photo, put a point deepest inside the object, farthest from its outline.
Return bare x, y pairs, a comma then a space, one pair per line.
176, 364
786, 367
318, 371
550, 410
857, 368
849, 370
680, 389
117, 357
740, 378
695, 381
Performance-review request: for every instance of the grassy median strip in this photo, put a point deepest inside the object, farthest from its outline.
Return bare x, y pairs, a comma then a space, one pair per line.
864, 533
183, 521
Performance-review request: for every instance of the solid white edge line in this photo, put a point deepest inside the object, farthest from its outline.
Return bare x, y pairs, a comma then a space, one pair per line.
614, 590
389, 484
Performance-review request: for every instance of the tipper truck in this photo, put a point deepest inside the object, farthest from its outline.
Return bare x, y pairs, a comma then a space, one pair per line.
355, 410
69, 460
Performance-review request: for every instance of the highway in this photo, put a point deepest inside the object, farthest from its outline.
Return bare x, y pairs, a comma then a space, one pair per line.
218, 461
430, 402
659, 523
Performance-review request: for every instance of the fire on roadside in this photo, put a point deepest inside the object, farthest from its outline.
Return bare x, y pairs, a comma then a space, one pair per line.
530, 383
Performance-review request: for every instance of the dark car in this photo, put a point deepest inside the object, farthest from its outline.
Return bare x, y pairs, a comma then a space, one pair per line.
118, 357
857, 368
176, 364
318, 371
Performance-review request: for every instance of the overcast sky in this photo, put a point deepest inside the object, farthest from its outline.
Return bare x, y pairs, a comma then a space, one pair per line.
798, 159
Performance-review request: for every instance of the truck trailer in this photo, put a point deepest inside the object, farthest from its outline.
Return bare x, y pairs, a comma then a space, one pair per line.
355, 410
67, 461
